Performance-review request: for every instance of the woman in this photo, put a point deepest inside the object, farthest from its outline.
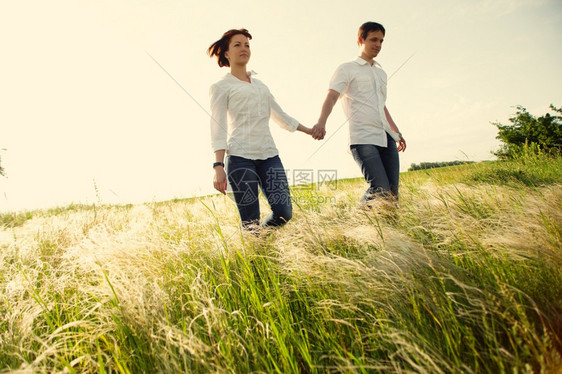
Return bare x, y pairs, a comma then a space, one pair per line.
252, 158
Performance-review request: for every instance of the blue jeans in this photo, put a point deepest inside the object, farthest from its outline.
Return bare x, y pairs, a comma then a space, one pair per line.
245, 176
380, 167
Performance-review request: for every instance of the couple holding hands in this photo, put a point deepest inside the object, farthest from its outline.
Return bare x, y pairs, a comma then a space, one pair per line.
245, 152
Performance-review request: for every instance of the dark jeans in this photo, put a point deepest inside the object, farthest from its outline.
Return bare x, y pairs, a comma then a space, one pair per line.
380, 167
245, 176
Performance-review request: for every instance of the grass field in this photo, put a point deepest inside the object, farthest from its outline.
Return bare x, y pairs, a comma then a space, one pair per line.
465, 277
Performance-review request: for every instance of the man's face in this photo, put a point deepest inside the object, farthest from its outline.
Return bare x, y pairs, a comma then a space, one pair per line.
371, 46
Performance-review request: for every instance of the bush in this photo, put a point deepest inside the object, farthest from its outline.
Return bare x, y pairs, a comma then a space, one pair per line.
542, 133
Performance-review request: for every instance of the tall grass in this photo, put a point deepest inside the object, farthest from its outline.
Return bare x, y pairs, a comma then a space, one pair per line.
465, 277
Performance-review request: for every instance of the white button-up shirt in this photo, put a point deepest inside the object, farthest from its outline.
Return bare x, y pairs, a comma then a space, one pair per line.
240, 118
362, 89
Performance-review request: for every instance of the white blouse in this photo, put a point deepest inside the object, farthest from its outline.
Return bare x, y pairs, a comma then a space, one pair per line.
240, 118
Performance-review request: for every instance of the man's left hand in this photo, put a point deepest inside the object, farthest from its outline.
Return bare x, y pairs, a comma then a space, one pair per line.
401, 144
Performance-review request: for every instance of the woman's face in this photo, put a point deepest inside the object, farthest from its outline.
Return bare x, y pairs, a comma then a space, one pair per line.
238, 50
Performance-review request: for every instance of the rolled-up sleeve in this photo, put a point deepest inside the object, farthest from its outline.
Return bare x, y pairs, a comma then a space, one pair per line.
219, 121
280, 117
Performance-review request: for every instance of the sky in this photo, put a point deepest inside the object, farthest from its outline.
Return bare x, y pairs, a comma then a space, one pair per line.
107, 101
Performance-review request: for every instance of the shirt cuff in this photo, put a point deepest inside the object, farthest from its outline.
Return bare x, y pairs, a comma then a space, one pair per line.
217, 146
395, 135
293, 125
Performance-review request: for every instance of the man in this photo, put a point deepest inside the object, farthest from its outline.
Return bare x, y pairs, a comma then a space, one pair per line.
372, 132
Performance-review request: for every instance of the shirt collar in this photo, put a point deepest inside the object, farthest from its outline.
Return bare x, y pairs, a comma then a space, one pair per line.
250, 73
361, 61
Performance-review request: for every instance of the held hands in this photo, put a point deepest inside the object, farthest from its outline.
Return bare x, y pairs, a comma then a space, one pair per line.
311, 131
318, 131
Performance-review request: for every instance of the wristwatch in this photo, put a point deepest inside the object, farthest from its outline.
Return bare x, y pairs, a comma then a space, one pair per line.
218, 164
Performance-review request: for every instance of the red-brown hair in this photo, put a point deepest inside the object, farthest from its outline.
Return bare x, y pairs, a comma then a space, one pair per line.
220, 47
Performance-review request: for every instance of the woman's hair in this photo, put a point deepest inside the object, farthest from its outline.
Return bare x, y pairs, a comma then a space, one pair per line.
367, 27
220, 47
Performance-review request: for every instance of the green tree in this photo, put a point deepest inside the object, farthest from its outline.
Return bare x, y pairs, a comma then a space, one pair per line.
543, 132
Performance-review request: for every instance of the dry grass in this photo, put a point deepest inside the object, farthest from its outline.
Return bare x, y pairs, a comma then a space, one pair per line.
461, 278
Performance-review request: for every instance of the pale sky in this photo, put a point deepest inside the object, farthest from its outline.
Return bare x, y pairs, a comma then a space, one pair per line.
88, 116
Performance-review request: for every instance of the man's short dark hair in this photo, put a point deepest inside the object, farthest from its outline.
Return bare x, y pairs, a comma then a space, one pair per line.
367, 27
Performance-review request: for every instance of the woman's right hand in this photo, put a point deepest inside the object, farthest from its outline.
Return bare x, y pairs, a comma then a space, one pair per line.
219, 181
318, 131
